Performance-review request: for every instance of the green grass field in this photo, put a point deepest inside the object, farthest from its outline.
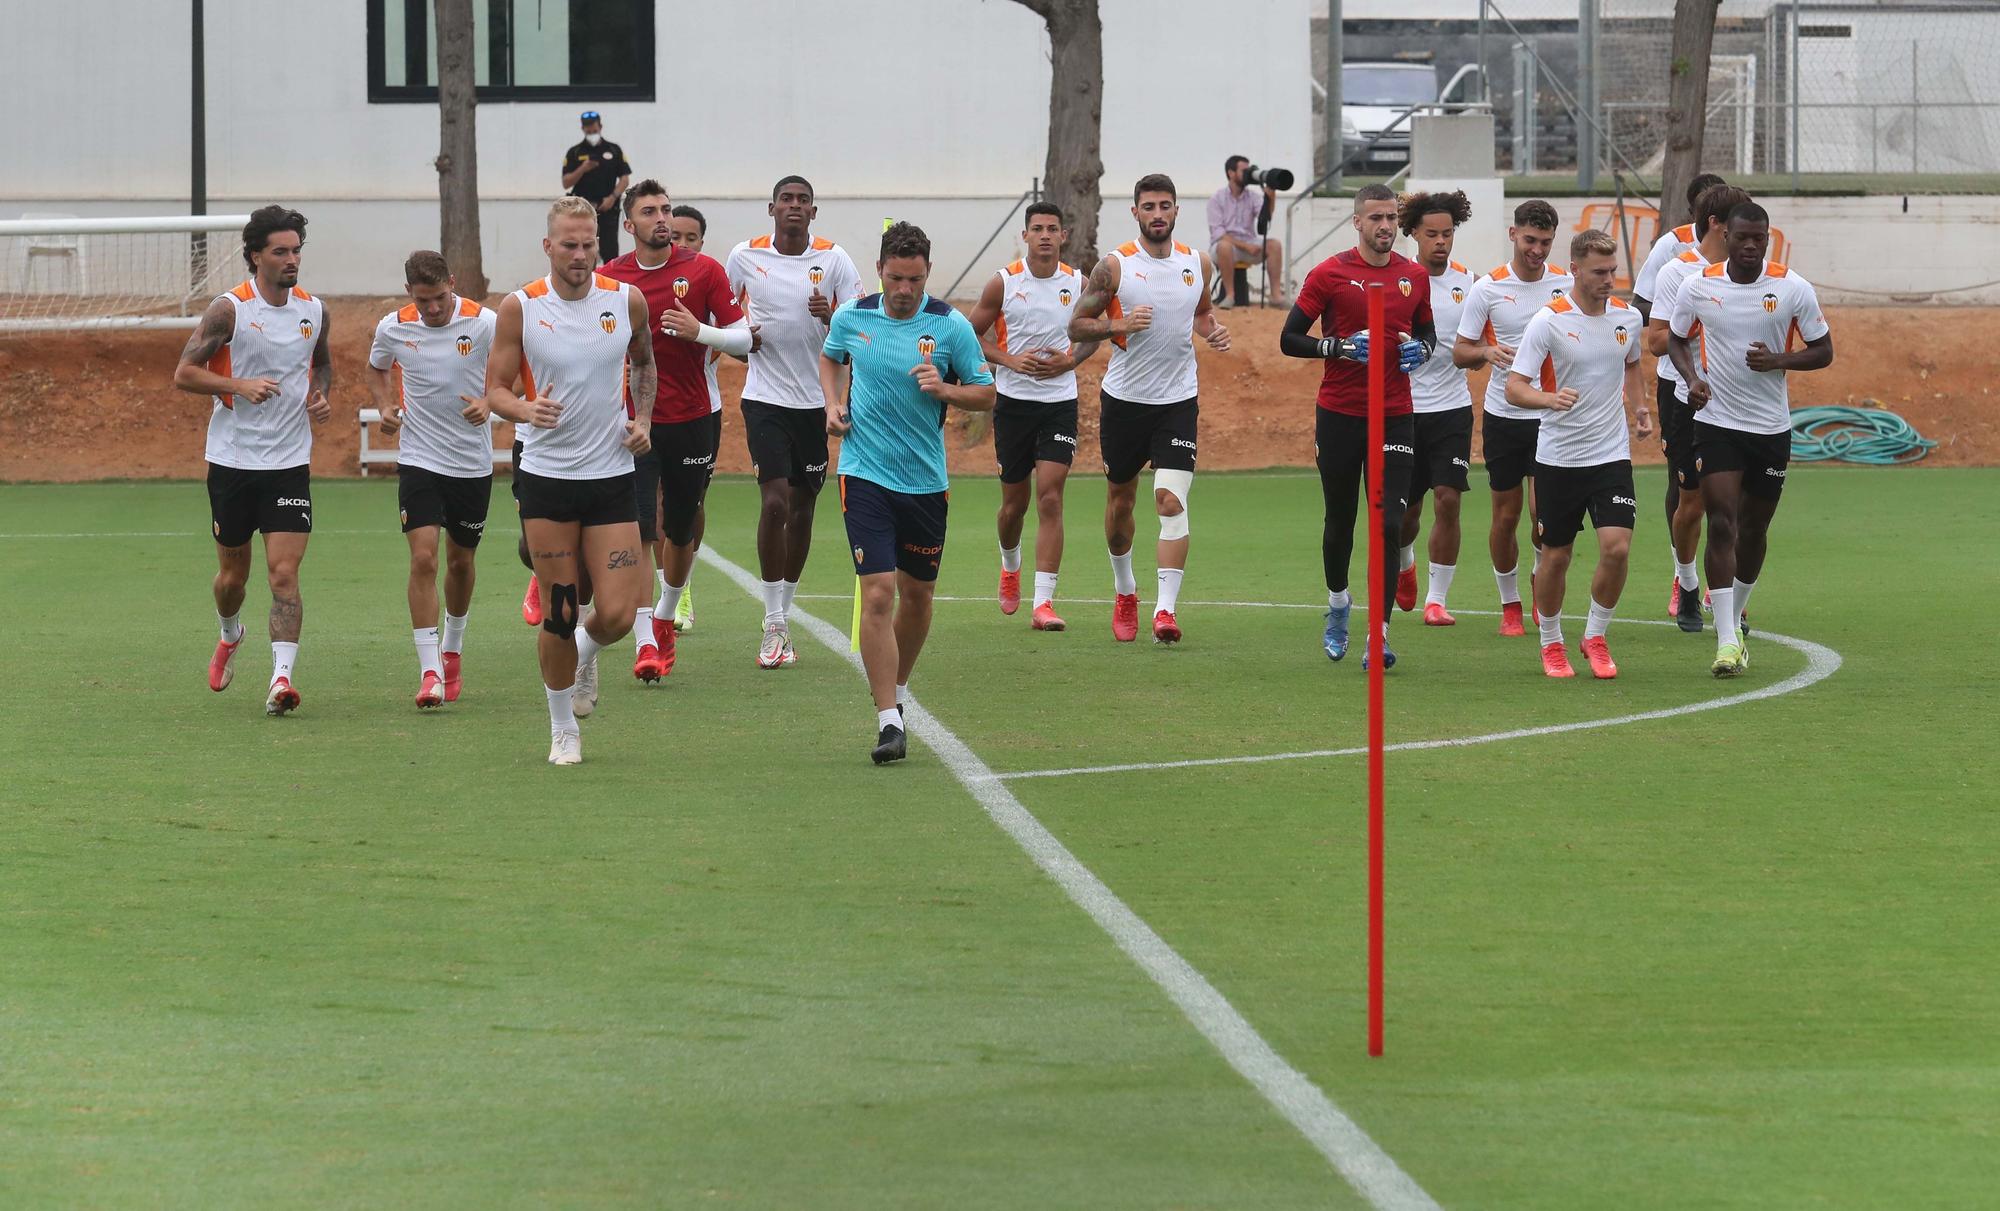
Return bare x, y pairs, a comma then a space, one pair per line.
361, 957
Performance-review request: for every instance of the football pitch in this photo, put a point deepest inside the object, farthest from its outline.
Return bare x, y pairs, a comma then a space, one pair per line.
1735, 953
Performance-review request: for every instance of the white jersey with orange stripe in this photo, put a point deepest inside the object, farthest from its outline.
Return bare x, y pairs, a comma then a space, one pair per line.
1588, 354
433, 368
1779, 310
776, 288
1667, 292
574, 354
1670, 245
1035, 314
274, 342
1497, 311
1437, 385
1155, 366
714, 388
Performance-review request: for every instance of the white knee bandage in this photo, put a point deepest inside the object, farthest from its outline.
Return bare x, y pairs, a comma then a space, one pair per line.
1178, 483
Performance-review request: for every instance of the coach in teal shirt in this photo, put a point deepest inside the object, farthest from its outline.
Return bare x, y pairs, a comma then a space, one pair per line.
908, 358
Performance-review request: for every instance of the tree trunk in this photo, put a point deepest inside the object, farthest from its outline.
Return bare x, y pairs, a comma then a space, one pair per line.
1074, 170
1687, 104
458, 149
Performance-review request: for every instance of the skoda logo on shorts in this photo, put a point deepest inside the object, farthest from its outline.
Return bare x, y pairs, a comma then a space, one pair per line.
680, 288
403, 515
1620, 333
306, 326
1770, 302
1064, 296
816, 275
859, 555
1187, 277
1403, 284
926, 345
607, 321
1458, 294
464, 346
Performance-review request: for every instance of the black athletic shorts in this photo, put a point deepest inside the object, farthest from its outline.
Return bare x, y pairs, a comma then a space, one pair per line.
786, 443
684, 461
1677, 436
1026, 432
242, 503
590, 502
1131, 435
1509, 450
892, 531
1444, 451
515, 479
1340, 447
1563, 495
1762, 457
646, 494
458, 503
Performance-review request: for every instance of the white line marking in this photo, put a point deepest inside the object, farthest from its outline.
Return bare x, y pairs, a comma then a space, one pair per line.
195, 532
1371, 1171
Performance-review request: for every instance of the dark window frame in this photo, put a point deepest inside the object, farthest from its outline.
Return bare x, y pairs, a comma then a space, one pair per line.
417, 58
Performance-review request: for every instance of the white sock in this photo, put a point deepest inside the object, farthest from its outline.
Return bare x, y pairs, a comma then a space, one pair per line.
1552, 629
902, 693
1510, 586
427, 650
586, 647
1338, 601
1536, 569
791, 589
1045, 587
1724, 601
1440, 584
774, 602
659, 581
1010, 559
1743, 588
889, 718
670, 598
283, 657
642, 628
1409, 558
562, 713
454, 632
1599, 621
232, 627
1685, 574
1170, 589
1122, 581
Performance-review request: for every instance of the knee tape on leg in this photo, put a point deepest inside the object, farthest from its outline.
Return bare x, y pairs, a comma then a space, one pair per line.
564, 611
1178, 483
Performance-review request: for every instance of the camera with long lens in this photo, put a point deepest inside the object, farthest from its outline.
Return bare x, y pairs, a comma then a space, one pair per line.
1279, 179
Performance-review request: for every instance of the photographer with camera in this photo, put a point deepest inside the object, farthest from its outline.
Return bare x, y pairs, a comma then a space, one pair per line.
1237, 219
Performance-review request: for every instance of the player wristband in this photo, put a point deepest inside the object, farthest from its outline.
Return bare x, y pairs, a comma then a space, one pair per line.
733, 341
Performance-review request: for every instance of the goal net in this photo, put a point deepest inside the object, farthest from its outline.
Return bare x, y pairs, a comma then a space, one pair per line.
62, 273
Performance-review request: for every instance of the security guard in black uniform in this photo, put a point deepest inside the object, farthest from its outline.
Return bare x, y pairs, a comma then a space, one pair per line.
596, 171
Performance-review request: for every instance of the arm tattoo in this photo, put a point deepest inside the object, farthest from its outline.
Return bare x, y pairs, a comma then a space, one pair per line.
621, 558
287, 615
1088, 323
216, 325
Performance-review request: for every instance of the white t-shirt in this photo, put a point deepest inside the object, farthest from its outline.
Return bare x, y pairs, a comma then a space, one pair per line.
1437, 385
785, 369
1035, 314
1779, 309
433, 367
1588, 354
1497, 311
267, 342
574, 353
1670, 245
1672, 275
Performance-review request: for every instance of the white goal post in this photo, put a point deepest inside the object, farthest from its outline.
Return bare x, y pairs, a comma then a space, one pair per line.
61, 273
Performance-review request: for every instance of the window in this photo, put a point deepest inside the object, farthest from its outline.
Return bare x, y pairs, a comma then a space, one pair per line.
523, 50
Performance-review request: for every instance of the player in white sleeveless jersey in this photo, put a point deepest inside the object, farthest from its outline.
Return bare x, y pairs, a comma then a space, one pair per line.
1684, 512
262, 358
794, 281
578, 344
1022, 319
1579, 361
427, 377
1150, 298
1754, 320
1442, 401
1497, 311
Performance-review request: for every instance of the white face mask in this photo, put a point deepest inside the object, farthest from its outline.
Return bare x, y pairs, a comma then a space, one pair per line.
593, 138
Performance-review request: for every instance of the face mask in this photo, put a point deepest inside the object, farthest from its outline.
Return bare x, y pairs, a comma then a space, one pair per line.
593, 139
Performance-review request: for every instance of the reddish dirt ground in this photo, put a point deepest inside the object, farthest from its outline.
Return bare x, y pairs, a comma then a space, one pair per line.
103, 406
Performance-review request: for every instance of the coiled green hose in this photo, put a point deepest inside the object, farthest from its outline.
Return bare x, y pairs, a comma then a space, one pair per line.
1869, 436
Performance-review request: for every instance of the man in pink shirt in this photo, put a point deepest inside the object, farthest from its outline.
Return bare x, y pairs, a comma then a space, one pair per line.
1233, 211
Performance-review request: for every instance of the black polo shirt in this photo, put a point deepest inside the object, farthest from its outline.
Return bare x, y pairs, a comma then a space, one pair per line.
609, 164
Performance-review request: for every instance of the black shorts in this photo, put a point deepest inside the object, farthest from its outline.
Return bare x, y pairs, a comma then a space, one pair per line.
1340, 447
458, 503
1026, 432
1763, 458
1509, 450
684, 461
1131, 435
1444, 451
892, 531
1677, 436
646, 494
589, 502
242, 503
786, 443
515, 479
1564, 494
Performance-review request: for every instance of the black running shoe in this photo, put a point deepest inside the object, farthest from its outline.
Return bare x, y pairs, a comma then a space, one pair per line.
1689, 617
891, 745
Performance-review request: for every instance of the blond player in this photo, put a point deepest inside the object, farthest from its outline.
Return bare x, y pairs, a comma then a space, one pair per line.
262, 358
1756, 321
427, 377
1022, 319
1150, 298
1443, 406
1497, 311
1578, 362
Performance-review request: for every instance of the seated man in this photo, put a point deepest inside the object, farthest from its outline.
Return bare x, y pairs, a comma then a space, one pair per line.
1233, 211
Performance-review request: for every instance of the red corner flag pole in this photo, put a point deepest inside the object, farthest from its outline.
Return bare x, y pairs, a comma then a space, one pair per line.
1379, 352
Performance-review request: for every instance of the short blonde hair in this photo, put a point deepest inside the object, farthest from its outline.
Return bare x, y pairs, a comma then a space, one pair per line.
571, 208
1592, 242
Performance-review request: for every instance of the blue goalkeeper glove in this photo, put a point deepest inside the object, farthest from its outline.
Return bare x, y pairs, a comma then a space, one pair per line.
1411, 354
1355, 348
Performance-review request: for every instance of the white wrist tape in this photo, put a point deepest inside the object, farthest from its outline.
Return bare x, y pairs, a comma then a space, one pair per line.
733, 341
